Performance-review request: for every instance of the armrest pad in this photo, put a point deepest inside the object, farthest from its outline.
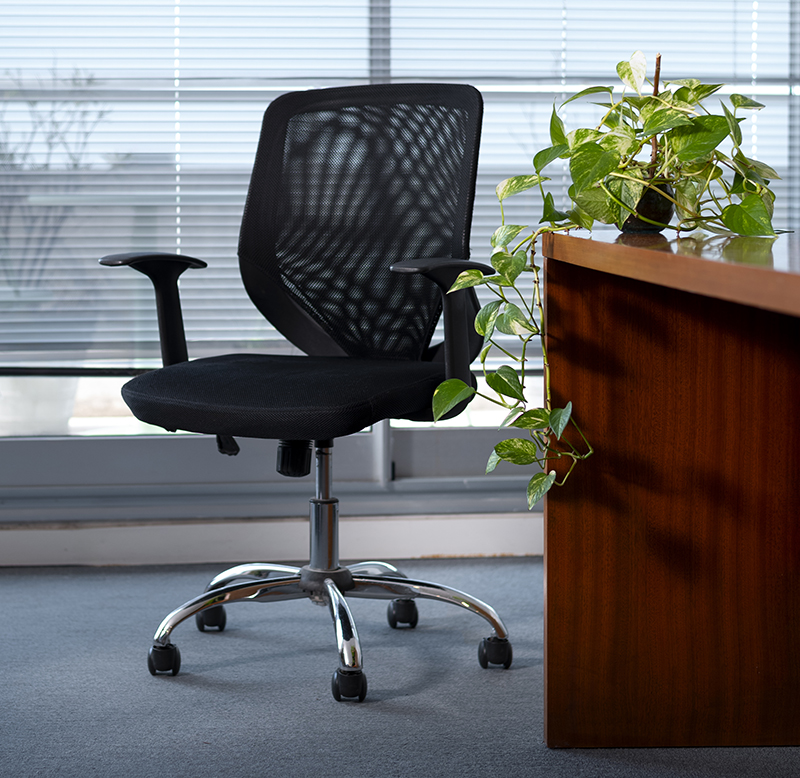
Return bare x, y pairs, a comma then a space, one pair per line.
137, 257
163, 270
443, 271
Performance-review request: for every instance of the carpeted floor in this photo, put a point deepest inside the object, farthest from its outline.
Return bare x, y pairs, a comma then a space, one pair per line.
255, 701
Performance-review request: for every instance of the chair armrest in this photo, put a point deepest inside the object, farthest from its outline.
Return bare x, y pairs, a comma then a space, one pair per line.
163, 270
443, 271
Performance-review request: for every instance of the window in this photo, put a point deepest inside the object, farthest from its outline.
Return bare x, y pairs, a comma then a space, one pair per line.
127, 126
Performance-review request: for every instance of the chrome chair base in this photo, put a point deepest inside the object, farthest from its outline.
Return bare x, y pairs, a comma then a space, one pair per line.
260, 585
329, 584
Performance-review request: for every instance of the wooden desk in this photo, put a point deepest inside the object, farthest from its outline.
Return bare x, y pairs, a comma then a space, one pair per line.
672, 557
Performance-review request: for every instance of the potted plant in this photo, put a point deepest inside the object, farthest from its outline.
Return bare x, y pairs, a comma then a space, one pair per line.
650, 155
650, 158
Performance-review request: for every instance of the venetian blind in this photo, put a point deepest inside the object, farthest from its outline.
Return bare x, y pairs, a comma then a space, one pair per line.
128, 126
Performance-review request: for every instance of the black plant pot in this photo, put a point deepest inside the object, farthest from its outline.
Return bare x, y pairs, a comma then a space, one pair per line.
652, 206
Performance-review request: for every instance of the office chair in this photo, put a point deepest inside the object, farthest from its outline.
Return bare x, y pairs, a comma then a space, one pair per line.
355, 226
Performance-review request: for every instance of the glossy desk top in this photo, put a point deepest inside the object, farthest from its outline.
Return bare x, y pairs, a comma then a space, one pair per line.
761, 272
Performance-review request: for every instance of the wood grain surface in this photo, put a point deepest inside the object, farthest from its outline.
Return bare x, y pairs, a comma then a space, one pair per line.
672, 556
675, 265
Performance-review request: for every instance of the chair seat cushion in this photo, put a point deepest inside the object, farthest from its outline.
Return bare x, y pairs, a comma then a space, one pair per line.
282, 397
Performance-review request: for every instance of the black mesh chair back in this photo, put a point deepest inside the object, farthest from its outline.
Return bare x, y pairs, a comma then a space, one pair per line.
346, 182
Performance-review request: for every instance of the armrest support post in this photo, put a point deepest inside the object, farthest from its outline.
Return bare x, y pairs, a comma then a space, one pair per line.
443, 272
163, 270
172, 334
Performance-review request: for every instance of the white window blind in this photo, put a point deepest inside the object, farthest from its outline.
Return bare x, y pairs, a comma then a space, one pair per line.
128, 126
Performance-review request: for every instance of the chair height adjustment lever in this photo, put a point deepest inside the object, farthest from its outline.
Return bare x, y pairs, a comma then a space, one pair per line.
227, 445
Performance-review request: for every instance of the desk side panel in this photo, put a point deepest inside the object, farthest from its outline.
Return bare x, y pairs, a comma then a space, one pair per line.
672, 556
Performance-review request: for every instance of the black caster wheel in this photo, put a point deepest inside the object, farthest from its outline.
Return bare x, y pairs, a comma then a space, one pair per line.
211, 617
164, 659
402, 612
351, 685
495, 651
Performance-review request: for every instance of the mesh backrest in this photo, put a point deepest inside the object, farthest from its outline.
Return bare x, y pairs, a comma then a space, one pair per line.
346, 182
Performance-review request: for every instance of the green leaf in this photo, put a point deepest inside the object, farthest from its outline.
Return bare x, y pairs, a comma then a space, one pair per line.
682, 95
559, 418
581, 218
765, 171
516, 184
636, 101
509, 266
647, 105
506, 382
449, 394
550, 213
535, 419
518, 451
753, 180
592, 90
733, 124
494, 461
740, 101
687, 195
514, 322
467, 279
633, 72
598, 205
621, 139
583, 135
628, 193
558, 135
768, 198
504, 235
513, 414
591, 163
539, 486
544, 157
663, 120
700, 138
748, 218
702, 91
741, 186
486, 317
691, 83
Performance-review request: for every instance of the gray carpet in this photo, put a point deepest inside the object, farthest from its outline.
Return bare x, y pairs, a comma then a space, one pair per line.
255, 701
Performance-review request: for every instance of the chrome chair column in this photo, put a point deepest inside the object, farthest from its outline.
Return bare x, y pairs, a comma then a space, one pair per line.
324, 515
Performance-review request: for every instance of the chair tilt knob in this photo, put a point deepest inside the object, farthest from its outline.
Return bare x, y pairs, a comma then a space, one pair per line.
294, 458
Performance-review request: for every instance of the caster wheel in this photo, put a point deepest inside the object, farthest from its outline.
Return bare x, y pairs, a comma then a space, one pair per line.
495, 651
211, 617
402, 612
350, 685
164, 659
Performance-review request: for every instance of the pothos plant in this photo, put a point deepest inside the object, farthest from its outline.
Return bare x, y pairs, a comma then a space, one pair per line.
662, 147
512, 313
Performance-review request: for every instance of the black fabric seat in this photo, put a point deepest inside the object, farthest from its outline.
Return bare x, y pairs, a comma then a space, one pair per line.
262, 396
356, 225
